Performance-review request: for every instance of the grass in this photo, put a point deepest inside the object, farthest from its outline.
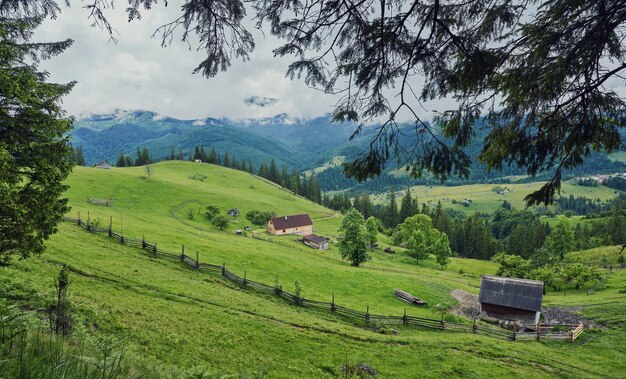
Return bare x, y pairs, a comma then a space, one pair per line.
484, 199
180, 321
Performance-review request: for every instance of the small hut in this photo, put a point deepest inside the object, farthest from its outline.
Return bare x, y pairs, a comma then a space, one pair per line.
510, 299
316, 242
233, 212
104, 165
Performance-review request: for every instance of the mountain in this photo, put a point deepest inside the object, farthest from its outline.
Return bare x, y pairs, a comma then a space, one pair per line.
299, 143
104, 137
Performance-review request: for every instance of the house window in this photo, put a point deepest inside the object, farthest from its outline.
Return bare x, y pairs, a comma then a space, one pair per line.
284, 230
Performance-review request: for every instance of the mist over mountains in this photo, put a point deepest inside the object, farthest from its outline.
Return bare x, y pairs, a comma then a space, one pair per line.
301, 144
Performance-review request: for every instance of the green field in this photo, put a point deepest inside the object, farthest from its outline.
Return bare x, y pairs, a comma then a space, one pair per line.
174, 320
484, 199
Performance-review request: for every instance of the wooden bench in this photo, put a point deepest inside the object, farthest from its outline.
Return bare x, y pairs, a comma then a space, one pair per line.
407, 297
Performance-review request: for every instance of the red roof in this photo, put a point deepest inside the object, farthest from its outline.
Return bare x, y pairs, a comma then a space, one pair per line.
288, 222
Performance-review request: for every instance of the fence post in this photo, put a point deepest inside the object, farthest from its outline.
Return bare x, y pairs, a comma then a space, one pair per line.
367, 315
332, 304
143, 242
276, 288
78, 221
154, 249
224, 269
571, 335
404, 320
514, 335
442, 323
110, 226
121, 239
245, 280
88, 222
538, 330
182, 254
475, 326
197, 260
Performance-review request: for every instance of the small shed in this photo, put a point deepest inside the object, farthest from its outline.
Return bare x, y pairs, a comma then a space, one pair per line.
233, 212
510, 299
316, 242
104, 165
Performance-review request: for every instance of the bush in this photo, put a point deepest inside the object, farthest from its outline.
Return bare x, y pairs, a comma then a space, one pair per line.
220, 221
259, 217
211, 211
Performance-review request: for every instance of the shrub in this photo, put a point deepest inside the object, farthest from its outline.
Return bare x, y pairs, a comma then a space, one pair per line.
259, 217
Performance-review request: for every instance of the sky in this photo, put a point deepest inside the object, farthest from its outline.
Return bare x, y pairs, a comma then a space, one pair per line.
137, 73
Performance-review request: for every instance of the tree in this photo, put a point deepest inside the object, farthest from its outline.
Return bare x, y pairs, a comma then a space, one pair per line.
419, 236
443, 251
121, 160
128, 161
211, 211
259, 217
353, 238
391, 216
406, 206
220, 221
512, 266
35, 155
79, 156
372, 230
561, 240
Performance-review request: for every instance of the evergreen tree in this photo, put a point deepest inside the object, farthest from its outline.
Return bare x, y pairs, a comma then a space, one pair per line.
272, 174
353, 238
202, 154
121, 160
226, 160
139, 157
212, 158
172, 155
391, 215
79, 156
35, 155
405, 206
128, 161
250, 167
145, 156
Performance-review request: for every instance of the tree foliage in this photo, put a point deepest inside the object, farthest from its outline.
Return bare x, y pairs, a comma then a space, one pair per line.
372, 230
35, 156
353, 238
220, 221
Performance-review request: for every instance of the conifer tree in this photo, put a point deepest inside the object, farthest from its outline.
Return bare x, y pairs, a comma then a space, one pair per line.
392, 217
121, 160
35, 155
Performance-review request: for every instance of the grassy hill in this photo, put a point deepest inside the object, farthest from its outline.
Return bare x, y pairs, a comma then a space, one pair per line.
175, 321
485, 199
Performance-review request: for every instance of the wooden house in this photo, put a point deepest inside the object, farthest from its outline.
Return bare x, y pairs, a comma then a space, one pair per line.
296, 224
103, 165
510, 299
233, 212
316, 242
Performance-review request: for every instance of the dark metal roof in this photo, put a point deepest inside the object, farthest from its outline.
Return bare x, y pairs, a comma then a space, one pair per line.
511, 292
315, 238
287, 222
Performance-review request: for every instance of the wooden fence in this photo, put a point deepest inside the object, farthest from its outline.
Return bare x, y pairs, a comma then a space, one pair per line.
365, 318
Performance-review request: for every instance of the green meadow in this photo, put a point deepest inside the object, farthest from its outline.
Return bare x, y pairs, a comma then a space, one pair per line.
483, 198
177, 322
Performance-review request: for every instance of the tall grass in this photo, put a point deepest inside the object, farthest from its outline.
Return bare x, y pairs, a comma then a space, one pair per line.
28, 350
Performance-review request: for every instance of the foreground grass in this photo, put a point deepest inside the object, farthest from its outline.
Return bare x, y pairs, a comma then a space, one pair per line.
180, 320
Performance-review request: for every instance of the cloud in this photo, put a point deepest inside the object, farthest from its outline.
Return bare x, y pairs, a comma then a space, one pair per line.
260, 101
137, 73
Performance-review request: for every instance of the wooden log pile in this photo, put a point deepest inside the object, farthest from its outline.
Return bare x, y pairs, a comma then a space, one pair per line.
407, 297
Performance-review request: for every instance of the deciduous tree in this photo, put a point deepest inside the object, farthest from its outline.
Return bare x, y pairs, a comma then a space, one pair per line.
353, 238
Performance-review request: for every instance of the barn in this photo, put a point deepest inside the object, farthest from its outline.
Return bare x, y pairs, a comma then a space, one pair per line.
297, 224
510, 299
316, 242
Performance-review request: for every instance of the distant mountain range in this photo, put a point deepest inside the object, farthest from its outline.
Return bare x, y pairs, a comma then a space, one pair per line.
301, 144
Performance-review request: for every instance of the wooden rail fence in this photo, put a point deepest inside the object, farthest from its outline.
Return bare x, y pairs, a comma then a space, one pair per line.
353, 315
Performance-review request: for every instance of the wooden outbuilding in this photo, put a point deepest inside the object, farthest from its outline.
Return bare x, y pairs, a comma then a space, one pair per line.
233, 212
316, 242
510, 299
103, 165
297, 224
